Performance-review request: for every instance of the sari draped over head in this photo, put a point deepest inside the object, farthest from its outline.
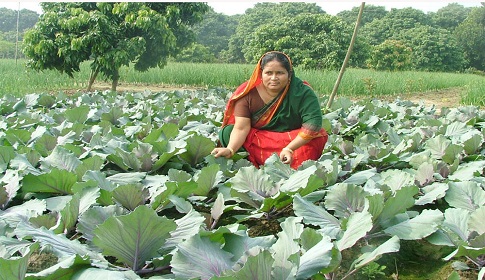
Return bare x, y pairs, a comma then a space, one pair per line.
295, 111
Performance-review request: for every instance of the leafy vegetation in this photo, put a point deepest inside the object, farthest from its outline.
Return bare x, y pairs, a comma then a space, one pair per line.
446, 40
110, 35
469, 33
318, 47
124, 186
8, 30
475, 94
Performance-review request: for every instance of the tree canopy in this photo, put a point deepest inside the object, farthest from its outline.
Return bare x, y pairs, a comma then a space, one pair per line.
8, 19
433, 48
8, 30
263, 13
370, 13
215, 30
110, 35
450, 16
311, 40
471, 36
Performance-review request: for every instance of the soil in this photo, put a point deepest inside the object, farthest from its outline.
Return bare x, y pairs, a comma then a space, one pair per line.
101, 86
448, 98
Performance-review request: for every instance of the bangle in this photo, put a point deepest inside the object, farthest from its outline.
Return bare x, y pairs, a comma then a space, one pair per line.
288, 149
232, 151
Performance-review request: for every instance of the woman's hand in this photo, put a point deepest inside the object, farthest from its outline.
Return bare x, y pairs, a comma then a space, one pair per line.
286, 155
222, 152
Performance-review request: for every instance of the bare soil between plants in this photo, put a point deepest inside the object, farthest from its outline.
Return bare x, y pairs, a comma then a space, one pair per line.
449, 98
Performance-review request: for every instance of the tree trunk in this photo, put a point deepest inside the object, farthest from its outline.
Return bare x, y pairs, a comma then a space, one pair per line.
116, 78
92, 78
114, 84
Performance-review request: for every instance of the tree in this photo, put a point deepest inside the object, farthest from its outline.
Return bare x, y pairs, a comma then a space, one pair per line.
8, 19
8, 29
7, 49
110, 35
196, 53
311, 40
370, 13
393, 23
215, 30
450, 16
433, 49
390, 55
471, 36
261, 14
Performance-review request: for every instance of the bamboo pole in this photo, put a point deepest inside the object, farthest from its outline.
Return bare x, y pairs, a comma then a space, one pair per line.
17, 40
347, 57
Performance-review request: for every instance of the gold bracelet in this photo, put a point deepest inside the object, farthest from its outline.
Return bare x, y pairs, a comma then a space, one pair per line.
288, 149
232, 151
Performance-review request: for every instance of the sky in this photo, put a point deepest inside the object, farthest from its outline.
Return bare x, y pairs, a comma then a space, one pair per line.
331, 7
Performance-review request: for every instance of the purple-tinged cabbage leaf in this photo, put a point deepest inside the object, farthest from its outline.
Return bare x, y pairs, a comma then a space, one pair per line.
197, 148
199, 257
62, 159
131, 196
207, 178
419, 227
396, 204
467, 171
390, 246
134, 238
187, 226
475, 223
432, 193
58, 244
9, 187
344, 199
356, 227
316, 215
16, 267
465, 195
94, 216
57, 181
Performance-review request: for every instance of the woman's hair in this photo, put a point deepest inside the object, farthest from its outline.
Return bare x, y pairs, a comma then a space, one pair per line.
278, 56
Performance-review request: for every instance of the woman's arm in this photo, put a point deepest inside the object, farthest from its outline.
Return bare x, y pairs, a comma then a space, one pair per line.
286, 154
241, 129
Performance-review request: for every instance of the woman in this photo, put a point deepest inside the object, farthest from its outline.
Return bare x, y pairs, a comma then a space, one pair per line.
273, 112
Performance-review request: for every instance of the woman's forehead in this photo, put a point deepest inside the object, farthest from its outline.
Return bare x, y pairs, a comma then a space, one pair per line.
274, 65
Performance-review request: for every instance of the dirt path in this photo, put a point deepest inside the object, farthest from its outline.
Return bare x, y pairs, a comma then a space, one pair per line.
443, 98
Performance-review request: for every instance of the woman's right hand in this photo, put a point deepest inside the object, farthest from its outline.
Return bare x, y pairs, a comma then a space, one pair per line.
222, 152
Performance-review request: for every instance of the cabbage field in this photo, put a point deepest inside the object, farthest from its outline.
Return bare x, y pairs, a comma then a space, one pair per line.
108, 185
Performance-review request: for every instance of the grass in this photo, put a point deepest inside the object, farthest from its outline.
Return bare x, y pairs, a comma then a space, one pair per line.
475, 94
17, 80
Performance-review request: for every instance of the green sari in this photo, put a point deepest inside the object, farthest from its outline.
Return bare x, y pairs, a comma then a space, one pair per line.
296, 111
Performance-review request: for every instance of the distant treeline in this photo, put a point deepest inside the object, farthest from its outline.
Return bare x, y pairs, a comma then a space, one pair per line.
449, 40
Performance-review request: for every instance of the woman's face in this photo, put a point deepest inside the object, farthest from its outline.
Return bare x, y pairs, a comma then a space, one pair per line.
274, 76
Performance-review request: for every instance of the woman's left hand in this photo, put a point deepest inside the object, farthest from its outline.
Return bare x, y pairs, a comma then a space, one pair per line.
222, 152
286, 156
